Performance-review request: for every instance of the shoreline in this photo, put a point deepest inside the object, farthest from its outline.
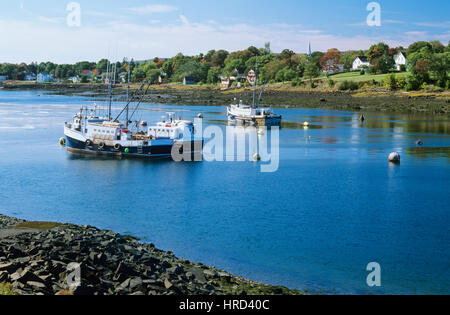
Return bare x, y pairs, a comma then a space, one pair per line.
280, 95
34, 259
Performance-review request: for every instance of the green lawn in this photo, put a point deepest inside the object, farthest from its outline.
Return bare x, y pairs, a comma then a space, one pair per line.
356, 76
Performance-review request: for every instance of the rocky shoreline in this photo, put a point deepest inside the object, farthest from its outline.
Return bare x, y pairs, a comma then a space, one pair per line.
276, 96
38, 258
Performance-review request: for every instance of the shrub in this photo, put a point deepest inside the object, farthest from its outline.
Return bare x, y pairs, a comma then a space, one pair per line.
400, 82
362, 72
390, 82
330, 83
413, 83
402, 68
371, 70
348, 85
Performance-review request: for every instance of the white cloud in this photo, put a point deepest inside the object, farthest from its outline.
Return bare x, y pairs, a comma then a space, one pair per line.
416, 33
435, 24
184, 20
153, 8
49, 20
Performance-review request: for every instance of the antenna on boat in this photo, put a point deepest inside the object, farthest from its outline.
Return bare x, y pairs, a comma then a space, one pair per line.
260, 94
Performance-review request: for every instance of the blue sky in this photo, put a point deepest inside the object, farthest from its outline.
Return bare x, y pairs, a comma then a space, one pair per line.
142, 29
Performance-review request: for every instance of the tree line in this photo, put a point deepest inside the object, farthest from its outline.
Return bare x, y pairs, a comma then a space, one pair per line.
428, 63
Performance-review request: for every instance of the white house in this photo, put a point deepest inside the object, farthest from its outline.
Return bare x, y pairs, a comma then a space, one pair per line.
400, 59
360, 62
44, 77
75, 79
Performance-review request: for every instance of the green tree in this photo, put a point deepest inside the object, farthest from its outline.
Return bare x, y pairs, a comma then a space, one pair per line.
102, 65
213, 75
312, 70
218, 58
440, 66
437, 47
377, 51
417, 46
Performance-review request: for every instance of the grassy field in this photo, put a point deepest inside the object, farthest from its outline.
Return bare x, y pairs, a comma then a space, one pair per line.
357, 77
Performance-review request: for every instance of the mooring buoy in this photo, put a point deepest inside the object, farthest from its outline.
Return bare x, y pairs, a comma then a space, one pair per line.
394, 157
200, 115
62, 141
419, 142
256, 157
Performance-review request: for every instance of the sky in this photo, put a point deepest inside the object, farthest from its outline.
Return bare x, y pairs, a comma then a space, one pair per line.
45, 30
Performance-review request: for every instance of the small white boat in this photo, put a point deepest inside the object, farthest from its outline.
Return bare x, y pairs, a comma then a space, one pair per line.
254, 115
246, 114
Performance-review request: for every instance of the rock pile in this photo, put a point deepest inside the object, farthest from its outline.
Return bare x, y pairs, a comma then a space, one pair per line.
41, 262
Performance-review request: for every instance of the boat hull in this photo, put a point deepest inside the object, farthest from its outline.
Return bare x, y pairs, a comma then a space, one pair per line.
263, 121
76, 146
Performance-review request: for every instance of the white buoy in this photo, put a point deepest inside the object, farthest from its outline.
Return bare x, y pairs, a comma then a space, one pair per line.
62, 141
306, 124
200, 116
256, 157
394, 157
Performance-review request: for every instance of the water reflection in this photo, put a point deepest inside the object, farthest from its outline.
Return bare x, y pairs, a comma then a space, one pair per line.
429, 152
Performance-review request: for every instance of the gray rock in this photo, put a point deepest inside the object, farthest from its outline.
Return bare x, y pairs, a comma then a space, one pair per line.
135, 283
198, 274
3, 276
9, 267
37, 285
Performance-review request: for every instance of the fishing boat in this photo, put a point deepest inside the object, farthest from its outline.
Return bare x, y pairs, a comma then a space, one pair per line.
90, 134
252, 114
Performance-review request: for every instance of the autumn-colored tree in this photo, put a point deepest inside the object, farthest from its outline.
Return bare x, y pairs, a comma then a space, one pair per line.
376, 51
331, 58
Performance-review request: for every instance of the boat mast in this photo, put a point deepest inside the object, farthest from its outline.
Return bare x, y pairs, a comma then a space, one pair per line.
256, 82
128, 97
112, 79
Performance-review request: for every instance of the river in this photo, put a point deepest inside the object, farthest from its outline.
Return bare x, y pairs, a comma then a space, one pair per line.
333, 205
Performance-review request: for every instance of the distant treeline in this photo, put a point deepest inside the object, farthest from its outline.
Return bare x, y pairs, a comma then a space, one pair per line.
428, 63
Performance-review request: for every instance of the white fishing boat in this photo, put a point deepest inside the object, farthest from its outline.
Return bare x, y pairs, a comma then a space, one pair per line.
252, 114
90, 134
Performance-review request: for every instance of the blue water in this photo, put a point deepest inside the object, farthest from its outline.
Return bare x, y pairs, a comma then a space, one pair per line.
334, 205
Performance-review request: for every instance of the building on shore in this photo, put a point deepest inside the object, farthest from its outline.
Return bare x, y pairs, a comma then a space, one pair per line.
400, 61
3, 77
360, 63
30, 76
44, 77
75, 79
188, 80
